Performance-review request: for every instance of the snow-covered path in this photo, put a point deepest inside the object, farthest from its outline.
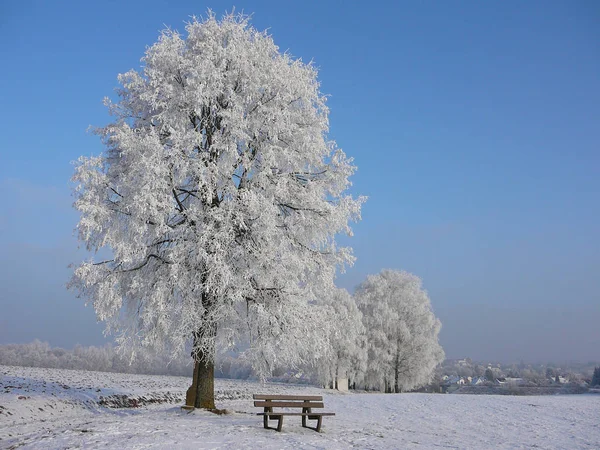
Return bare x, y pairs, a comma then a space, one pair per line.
361, 421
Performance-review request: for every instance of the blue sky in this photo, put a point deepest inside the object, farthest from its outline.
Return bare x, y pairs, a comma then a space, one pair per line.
475, 127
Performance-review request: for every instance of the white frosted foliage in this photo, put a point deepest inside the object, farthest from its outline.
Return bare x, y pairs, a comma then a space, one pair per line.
219, 197
347, 355
402, 331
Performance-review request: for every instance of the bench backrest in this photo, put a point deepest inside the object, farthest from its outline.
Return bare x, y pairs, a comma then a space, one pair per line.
288, 404
288, 401
318, 398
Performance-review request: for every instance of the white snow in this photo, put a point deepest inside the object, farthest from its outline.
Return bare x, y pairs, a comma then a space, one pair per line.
53, 408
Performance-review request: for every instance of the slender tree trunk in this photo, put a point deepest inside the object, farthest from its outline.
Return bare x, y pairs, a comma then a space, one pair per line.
396, 373
397, 368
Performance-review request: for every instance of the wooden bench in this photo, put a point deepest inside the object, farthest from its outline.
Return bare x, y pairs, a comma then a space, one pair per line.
306, 402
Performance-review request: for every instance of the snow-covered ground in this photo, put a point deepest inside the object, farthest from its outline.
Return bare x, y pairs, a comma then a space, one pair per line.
52, 408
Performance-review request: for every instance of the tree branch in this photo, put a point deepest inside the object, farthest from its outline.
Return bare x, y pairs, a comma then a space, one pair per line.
160, 258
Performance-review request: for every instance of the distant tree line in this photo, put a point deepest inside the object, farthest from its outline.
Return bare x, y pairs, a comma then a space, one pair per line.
108, 359
537, 374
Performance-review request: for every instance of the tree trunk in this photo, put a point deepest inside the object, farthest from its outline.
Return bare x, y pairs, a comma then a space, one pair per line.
396, 384
397, 369
201, 394
205, 384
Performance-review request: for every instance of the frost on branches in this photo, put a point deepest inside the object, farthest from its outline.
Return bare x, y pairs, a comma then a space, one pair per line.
219, 197
402, 331
347, 356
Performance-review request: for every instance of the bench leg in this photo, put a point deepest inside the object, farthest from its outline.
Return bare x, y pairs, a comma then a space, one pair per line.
279, 420
304, 410
265, 417
319, 420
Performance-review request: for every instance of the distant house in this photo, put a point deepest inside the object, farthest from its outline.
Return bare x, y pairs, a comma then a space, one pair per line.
453, 380
478, 380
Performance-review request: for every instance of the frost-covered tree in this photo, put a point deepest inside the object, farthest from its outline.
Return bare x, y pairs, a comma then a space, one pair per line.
346, 356
596, 377
402, 331
219, 197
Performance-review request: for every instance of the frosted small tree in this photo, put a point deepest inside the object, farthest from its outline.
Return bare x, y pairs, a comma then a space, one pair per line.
219, 197
346, 334
402, 331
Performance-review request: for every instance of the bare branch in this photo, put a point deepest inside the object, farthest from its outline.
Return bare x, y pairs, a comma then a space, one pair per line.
103, 262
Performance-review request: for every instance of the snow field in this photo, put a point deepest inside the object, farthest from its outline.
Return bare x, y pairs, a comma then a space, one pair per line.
53, 408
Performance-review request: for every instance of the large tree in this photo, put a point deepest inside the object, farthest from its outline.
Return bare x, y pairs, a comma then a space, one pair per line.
218, 197
402, 331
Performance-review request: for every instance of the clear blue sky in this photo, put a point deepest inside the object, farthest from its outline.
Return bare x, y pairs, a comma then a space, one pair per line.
475, 127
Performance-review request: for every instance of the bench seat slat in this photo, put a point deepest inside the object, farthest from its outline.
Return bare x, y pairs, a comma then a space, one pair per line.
295, 414
288, 404
288, 397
